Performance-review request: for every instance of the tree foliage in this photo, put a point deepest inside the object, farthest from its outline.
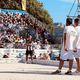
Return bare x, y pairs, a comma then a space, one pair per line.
9, 4
34, 7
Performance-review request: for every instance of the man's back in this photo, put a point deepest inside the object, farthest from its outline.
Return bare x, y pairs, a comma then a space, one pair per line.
78, 37
70, 37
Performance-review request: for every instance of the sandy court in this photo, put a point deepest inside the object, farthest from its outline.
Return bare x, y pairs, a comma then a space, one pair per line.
20, 71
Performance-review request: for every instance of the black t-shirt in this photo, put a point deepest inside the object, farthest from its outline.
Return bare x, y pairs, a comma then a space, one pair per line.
29, 45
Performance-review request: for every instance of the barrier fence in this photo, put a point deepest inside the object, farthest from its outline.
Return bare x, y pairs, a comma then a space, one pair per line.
19, 53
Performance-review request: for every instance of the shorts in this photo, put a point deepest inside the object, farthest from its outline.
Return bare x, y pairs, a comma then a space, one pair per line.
77, 54
29, 52
65, 55
70, 55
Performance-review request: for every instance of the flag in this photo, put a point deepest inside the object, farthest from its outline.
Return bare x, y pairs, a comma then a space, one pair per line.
23, 4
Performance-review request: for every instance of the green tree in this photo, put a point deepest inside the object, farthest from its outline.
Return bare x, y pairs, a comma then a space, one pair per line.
9, 4
35, 8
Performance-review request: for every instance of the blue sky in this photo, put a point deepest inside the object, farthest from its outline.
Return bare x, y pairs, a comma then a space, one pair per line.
59, 9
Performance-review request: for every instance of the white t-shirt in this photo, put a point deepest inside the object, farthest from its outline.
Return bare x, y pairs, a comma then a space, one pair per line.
78, 37
70, 37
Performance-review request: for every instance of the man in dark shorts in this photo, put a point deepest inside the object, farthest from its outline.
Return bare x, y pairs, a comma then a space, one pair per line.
29, 49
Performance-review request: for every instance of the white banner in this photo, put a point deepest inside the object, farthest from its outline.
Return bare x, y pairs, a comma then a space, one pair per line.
19, 53
12, 53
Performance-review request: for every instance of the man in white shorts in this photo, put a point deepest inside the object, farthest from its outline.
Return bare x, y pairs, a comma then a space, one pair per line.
67, 50
77, 43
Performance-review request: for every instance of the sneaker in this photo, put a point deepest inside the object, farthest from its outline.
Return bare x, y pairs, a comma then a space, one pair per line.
56, 72
76, 72
68, 73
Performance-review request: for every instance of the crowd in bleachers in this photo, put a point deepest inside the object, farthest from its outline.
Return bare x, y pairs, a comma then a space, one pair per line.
15, 28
